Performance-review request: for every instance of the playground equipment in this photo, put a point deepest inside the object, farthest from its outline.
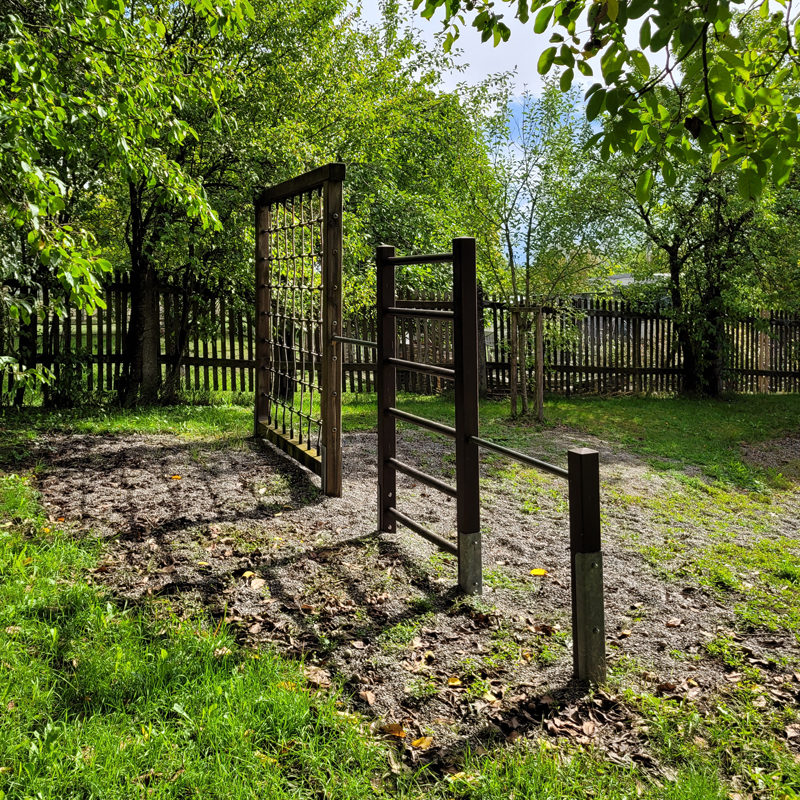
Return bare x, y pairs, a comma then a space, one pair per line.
299, 312
298, 258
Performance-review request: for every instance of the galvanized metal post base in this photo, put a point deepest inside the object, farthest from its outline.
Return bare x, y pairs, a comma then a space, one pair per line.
589, 633
470, 564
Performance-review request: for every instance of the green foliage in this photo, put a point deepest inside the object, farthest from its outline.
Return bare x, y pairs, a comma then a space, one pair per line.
737, 75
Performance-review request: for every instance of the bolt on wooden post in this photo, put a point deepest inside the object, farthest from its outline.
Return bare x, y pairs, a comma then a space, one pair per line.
586, 562
465, 336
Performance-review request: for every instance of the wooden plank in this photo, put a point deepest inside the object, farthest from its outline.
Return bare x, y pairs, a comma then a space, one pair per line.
331, 398
214, 373
303, 453
110, 296
304, 183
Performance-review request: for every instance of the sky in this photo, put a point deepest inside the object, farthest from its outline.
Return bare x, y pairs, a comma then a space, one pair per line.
520, 53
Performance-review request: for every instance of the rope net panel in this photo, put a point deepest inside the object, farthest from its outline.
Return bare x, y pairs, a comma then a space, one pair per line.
295, 231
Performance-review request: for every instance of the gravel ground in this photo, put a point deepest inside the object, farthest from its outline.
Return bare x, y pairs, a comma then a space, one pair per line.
244, 532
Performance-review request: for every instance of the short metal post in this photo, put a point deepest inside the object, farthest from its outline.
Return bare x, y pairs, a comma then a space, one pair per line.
586, 561
465, 352
386, 386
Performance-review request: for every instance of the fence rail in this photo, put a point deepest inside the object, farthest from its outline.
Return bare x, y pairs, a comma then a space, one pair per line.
591, 345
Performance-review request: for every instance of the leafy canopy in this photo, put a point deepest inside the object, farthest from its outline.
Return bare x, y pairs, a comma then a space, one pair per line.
88, 87
736, 68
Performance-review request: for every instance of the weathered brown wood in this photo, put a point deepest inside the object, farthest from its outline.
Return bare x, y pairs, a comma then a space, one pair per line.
331, 399
386, 381
302, 184
540, 365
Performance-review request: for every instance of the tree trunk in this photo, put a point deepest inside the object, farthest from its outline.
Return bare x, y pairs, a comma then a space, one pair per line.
142, 377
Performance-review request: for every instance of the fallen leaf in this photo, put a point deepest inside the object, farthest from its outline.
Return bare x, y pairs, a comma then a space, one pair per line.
429, 656
394, 729
176, 477
359, 645
248, 574
667, 686
258, 583
423, 743
539, 572
289, 686
792, 731
202, 563
675, 622
368, 697
454, 681
318, 676
624, 634
60, 519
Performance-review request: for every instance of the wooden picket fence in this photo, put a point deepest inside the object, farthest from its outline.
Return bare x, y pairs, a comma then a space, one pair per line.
591, 345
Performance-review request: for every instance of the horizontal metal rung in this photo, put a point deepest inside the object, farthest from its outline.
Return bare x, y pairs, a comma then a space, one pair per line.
430, 258
432, 313
423, 477
434, 538
429, 424
521, 457
359, 342
428, 369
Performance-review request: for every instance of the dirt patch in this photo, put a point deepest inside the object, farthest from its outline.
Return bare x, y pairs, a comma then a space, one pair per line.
780, 455
244, 533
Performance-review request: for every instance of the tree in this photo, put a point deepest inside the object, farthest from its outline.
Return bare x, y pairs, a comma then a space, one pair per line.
550, 206
736, 77
92, 88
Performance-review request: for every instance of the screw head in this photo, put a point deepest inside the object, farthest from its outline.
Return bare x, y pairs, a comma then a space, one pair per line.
595, 630
594, 565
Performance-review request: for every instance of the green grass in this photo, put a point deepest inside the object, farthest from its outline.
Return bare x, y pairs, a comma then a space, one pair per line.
100, 701
103, 701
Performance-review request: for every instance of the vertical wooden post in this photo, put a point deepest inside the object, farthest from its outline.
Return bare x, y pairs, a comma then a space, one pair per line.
483, 380
331, 399
586, 562
539, 364
763, 356
465, 336
386, 387
263, 333
512, 363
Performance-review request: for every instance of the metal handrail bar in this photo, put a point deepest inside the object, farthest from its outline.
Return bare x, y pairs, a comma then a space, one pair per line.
434, 538
430, 258
423, 477
359, 342
436, 427
428, 369
432, 313
533, 462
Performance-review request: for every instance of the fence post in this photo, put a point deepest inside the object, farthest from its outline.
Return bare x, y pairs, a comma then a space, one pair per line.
539, 364
465, 347
586, 562
386, 387
330, 402
513, 357
263, 333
